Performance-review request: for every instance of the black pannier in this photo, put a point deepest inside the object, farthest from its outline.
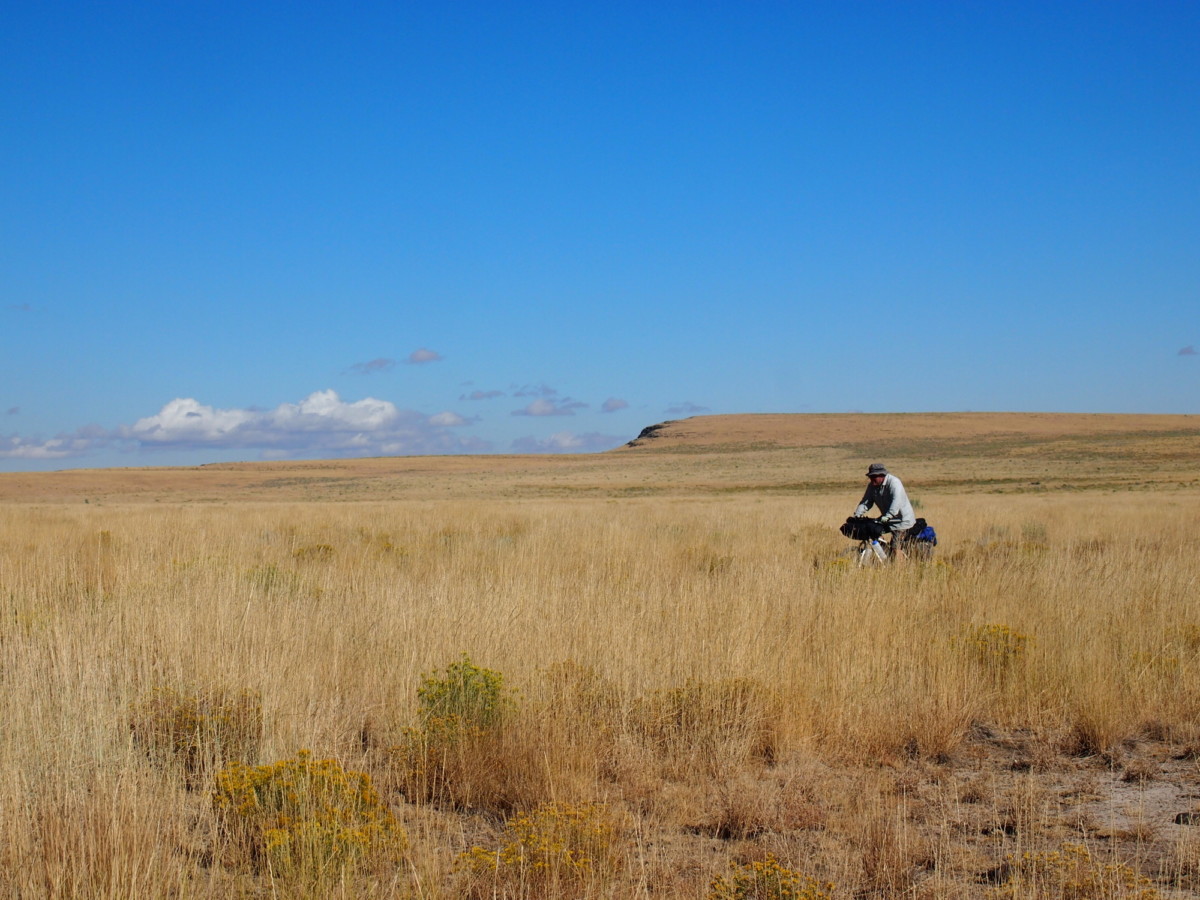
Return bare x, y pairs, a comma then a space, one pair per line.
863, 528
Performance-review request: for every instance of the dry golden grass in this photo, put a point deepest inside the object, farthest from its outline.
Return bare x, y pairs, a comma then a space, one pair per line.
696, 677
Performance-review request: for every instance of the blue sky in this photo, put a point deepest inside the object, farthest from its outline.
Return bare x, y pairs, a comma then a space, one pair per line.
265, 230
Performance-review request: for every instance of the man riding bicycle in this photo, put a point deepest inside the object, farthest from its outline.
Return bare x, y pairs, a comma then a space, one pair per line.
887, 494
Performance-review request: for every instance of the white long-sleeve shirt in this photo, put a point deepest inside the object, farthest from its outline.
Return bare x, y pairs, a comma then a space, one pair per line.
892, 502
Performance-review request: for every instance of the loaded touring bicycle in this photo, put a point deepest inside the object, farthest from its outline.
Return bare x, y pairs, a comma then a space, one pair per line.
916, 543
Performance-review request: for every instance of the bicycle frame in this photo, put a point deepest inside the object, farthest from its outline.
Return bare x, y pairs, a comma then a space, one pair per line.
873, 552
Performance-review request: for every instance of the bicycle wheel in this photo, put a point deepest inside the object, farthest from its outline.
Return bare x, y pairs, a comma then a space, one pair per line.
921, 550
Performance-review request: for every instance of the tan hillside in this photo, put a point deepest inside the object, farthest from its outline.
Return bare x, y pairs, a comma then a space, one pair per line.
832, 429
775, 453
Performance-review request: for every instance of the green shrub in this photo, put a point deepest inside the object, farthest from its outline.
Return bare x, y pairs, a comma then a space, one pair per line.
464, 693
459, 755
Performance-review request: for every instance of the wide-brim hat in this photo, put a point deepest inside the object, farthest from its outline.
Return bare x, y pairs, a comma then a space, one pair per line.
876, 469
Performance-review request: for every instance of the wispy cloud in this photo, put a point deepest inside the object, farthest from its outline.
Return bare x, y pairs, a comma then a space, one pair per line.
374, 366
545, 406
14, 447
423, 355
61, 446
686, 408
1189, 350
567, 442
612, 404
449, 419
482, 395
534, 390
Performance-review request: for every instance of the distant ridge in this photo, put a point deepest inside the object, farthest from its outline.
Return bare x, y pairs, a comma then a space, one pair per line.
766, 430
702, 455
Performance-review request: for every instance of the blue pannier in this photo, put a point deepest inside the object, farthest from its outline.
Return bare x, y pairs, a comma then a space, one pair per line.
923, 532
927, 535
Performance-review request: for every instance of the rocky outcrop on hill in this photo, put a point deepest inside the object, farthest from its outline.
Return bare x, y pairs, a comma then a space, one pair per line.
649, 433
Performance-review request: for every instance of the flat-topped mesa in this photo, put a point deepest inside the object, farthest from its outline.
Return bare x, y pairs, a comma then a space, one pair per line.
784, 430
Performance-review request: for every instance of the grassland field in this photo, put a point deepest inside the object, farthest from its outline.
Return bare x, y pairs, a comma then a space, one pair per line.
651, 672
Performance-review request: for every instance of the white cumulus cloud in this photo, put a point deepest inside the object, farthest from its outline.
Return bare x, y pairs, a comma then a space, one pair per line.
320, 424
185, 421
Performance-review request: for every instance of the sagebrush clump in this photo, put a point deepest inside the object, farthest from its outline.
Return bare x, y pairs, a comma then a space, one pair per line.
305, 819
766, 879
554, 850
1072, 872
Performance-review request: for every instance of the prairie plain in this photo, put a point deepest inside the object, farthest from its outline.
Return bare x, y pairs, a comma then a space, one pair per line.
650, 672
